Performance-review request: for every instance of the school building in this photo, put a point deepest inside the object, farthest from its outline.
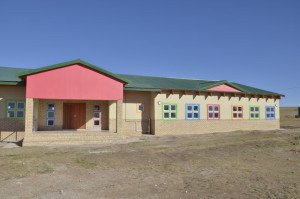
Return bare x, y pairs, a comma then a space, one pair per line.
77, 101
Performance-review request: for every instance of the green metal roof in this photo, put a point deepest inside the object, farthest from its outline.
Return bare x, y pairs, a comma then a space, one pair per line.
164, 83
8, 75
11, 76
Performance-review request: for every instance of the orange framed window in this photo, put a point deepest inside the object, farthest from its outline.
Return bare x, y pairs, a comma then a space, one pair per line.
237, 112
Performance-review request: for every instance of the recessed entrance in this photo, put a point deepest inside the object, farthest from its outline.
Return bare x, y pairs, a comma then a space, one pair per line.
74, 116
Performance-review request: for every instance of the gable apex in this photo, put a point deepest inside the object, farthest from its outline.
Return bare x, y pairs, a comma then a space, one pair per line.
73, 62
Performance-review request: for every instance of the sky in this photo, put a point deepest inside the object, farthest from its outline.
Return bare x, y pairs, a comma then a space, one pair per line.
252, 42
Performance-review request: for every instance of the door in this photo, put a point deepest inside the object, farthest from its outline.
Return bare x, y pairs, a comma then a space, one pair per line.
74, 116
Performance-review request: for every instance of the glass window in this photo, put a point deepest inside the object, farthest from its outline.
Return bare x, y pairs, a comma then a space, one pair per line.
140, 107
20, 114
254, 112
192, 111
11, 105
237, 112
50, 122
96, 122
15, 109
169, 111
51, 114
97, 115
213, 112
270, 112
10, 114
21, 105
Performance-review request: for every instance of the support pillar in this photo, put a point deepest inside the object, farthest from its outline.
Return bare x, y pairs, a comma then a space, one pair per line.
119, 115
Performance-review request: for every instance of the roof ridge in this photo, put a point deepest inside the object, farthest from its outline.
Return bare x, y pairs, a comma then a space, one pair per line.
15, 67
173, 77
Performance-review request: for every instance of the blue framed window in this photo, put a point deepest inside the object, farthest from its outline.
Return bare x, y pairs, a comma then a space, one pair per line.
270, 112
192, 111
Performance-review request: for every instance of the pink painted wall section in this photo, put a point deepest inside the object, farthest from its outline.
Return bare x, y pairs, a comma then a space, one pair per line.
224, 88
73, 82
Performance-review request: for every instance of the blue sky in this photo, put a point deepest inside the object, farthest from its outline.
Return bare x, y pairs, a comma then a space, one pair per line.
252, 42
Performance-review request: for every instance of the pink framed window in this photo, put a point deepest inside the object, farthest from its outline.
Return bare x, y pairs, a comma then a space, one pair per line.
213, 111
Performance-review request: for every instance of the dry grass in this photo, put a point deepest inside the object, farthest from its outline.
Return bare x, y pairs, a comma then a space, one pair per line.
223, 165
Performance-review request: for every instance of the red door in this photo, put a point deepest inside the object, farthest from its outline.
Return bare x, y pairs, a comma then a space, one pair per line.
74, 116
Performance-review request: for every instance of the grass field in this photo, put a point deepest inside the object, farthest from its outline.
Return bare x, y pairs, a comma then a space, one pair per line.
258, 164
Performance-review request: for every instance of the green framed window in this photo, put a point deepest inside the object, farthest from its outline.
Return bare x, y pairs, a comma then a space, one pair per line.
169, 111
15, 109
254, 112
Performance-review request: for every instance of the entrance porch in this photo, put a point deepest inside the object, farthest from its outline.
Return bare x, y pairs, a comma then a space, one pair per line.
44, 116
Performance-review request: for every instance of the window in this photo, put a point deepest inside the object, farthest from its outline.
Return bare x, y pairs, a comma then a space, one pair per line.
254, 112
169, 111
97, 115
213, 112
15, 109
192, 112
140, 107
50, 115
237, 112
270, 112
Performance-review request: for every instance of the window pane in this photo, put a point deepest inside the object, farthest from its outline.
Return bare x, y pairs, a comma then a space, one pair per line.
256, 115
141, 107
272, 115
190, 115
50, 114
240, 109
210, 108
252, 115
210, 115
189, 108
173, 107
234, 108
51, 107
216, 108
252, 109
96, 115
20, 114
216, 115
50, 122
256, 109
11, 105
166, 107
173, 115
268, 109
166, 115
96, 108
196, 115
240, 115
268, 115
234, 115
196, 108
96, 122
11, 114
272, 109
21, 105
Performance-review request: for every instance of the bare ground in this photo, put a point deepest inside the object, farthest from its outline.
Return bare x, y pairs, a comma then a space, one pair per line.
258, 164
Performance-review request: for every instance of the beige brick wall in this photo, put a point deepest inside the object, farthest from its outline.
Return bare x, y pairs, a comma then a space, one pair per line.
11, 93
133, 120
226, 123
210, 126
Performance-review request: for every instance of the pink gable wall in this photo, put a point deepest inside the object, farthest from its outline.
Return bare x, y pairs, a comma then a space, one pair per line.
224, 88
73, 82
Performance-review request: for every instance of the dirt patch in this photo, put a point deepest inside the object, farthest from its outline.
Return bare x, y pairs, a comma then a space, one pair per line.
259, 164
